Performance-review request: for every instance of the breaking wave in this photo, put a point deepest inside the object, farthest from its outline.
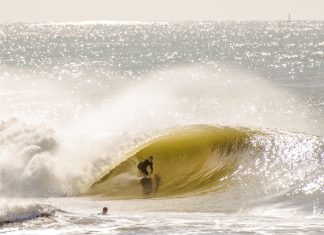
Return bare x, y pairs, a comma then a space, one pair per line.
228, 165
237, 155
191, 159
20, 212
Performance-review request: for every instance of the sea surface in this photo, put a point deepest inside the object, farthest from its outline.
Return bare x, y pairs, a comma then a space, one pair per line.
232, 113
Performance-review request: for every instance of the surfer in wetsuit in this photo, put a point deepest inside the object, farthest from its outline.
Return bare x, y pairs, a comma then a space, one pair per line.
142, 166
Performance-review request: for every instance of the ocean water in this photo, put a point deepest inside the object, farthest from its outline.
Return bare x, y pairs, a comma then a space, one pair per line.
233, 113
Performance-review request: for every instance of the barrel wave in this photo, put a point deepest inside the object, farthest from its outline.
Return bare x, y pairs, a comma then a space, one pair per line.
195, 160
219, 168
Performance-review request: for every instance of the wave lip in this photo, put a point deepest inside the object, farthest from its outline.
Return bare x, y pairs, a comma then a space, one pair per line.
194, 159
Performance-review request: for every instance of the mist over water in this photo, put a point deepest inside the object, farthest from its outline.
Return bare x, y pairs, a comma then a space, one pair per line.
68, 138
79, 100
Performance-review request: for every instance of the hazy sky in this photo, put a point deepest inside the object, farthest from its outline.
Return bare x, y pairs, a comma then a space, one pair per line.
157, 10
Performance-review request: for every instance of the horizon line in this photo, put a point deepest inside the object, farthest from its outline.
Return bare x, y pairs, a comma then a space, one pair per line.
146, 22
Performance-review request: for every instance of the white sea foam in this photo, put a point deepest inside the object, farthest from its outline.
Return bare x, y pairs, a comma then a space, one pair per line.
11, 212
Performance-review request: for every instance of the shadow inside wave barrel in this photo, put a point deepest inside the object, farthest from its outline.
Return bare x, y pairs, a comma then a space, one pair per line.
193, 159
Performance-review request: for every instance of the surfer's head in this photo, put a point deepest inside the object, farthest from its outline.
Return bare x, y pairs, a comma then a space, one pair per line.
150, 158
104, 211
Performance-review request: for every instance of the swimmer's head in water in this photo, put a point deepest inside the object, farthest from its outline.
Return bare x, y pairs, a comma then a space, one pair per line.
104, 211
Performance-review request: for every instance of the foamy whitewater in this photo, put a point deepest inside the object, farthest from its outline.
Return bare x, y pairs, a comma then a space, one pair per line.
233, 113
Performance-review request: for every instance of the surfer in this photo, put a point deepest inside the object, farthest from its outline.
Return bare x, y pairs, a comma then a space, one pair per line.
142, 166
104, 211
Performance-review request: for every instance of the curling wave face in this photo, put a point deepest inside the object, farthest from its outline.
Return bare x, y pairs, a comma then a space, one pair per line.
224, 168
194, 159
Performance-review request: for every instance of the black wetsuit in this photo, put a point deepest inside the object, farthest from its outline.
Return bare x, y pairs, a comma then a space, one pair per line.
143, 166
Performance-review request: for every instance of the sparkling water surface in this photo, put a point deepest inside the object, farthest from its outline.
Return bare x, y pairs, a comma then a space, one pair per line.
76, 97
